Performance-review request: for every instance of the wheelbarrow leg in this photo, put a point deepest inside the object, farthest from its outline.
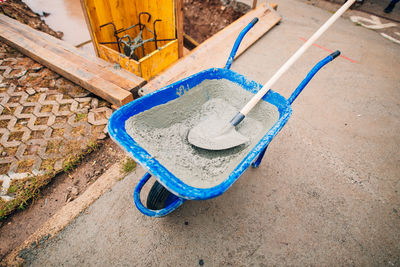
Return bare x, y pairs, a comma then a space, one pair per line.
173, 203
257, 162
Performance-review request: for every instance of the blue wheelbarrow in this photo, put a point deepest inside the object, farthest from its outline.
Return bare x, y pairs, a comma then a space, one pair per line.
169, 192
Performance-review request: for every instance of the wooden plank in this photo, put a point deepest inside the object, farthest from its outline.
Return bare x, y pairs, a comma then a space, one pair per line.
103, 11
159, 60
159, 9
134, 81
191, 40
151, 7
179, 25
273, 6
219, 46
148, 66
105, 89
99, 14
114, 57
166, 12
82, 62
254, 4
268, 18
89, 27
125, 13
185, 51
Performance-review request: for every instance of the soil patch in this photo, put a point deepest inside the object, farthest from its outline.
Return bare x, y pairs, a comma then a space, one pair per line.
63, 188
27, 81
204, 18
18, 10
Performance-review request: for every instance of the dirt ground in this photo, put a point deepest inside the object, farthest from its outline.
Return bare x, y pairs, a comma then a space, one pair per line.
18, 10
326, 193
63, 188
204, 18
66, 186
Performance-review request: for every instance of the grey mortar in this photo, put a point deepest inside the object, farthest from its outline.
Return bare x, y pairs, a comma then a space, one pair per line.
162, 131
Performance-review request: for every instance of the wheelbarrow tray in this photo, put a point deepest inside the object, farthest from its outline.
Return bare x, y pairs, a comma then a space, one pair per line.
117, 131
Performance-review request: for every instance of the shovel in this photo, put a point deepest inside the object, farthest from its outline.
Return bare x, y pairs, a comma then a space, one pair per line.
217, 134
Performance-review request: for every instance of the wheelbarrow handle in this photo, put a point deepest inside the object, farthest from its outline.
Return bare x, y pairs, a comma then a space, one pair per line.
238, 41
311, 74
153, 213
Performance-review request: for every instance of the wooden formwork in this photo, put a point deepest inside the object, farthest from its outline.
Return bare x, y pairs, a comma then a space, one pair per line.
125, 13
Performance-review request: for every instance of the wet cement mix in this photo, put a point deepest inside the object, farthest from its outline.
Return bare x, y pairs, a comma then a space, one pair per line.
162, 131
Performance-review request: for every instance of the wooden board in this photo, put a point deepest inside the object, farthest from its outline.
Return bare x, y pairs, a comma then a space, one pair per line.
151, 64
148, 66
254, 4
62, 47
137, 81
179, 25
96, 76
114, 57
84, 63
125, 13
185, 51
88, 24
215, 51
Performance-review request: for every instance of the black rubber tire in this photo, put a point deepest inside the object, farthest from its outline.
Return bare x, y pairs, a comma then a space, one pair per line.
157, 197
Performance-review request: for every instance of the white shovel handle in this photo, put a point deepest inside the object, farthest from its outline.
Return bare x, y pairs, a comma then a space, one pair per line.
293, 59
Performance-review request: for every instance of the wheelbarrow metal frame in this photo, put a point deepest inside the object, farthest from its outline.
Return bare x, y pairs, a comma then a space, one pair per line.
182, 191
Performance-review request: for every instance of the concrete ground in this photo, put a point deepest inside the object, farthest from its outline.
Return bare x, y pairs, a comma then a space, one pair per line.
327, 192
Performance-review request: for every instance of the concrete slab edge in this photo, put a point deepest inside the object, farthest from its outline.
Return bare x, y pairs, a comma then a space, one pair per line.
66, 214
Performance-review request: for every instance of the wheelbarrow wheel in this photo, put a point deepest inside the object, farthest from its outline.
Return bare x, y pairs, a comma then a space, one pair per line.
159, 197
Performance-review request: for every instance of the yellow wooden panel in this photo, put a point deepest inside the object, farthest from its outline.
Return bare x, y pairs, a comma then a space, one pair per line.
125, 13
114, 57
131, 18
124, 17
161, 9
99, 14
117, 13
143, 6
104, 14
89, 25
93, 21
159, 60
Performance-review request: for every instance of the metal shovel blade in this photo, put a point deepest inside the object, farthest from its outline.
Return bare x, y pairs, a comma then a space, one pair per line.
215, 134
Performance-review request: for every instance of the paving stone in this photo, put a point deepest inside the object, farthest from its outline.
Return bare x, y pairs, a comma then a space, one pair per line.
21, 72
106, 112
31, 91
36, 69
39, 124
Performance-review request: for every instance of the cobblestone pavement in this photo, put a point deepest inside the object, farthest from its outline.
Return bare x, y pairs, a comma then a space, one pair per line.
44, 120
